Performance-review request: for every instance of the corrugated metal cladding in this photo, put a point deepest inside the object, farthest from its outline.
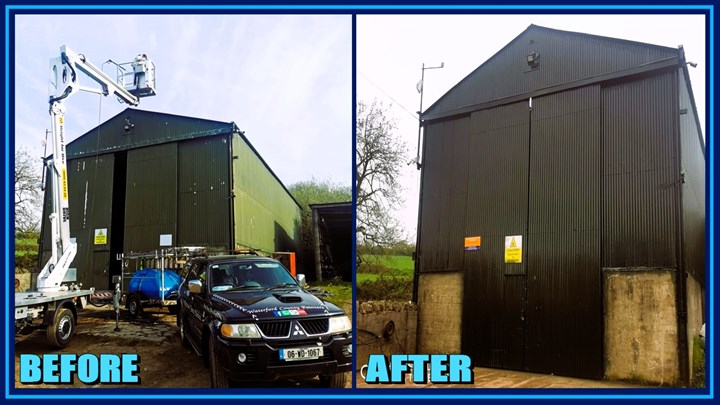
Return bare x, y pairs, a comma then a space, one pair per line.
640, 176
203, 186
132, 129
564, 309
90, 209
197, 180
587, 174
151, 198
497, 186
693, 164
266, 216
564, 57
446, 193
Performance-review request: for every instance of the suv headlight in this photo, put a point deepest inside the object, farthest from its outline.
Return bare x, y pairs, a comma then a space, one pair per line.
240, 331
340, 324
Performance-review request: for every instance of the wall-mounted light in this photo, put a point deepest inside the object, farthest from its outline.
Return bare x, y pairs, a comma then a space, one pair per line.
533, 60
129, 126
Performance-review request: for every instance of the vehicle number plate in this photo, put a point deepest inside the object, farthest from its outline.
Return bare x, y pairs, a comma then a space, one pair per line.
301, 353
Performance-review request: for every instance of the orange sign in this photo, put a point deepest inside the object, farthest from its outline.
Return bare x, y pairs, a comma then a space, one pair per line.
472, 243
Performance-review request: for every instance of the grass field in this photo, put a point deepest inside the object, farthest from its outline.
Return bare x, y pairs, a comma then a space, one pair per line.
385, 266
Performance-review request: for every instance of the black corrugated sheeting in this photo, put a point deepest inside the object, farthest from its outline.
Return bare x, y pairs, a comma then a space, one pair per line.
639, 174
693, 163
564, 309
497, 204
564, 57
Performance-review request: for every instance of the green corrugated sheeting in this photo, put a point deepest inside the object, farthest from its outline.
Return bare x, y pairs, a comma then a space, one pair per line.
151, 196
203, 192
266, 216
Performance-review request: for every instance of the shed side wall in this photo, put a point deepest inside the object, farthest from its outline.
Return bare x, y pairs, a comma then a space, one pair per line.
693, 166
266, 217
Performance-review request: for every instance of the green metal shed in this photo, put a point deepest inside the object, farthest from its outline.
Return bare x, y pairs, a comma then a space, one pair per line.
143, 174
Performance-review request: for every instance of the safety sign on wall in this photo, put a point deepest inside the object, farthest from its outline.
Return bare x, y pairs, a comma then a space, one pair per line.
472, 243
101, 236
513, 249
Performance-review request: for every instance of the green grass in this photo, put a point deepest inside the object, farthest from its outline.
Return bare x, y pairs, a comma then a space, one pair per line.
385, 277
388, 266
341, 293
360, 277
698, 363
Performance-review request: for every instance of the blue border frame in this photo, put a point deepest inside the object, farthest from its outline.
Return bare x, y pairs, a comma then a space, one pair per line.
355, 393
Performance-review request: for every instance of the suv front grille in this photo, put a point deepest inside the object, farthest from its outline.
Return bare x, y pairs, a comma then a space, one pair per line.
275, 329
315, 326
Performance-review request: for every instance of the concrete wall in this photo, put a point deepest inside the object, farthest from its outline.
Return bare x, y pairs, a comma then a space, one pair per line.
695, 297
373, 318
641, 337
440, 312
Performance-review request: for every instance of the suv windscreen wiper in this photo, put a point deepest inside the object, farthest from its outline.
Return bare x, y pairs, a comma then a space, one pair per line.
283, 285
244, 287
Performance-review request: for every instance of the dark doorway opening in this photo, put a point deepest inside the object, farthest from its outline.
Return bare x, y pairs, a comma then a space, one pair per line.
117, 222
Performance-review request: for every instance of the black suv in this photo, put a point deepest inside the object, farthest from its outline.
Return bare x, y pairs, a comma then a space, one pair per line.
250, 320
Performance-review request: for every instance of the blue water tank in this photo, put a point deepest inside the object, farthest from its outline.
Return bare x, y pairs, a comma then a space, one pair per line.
148, 282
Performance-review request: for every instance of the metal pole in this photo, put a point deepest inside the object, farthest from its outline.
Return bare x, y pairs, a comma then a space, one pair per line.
422, 90
162, 275
116, 304
316, 245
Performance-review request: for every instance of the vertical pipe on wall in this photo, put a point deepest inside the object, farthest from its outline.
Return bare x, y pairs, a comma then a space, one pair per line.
231, 189
681, 291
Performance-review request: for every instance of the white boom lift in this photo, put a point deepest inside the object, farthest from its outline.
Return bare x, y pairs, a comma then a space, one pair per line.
54, 302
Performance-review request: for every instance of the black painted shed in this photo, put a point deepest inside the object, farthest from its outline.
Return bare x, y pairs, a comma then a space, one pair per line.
562, 160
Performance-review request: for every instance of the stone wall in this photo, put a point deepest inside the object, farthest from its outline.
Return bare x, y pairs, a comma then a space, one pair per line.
440, 297
385, 327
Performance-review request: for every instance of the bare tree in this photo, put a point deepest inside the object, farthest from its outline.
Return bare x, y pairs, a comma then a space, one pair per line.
380, 155
28, 196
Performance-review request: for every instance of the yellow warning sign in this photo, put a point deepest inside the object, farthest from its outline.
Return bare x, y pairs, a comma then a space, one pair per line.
101, 236
513, 249
64, 184
472, 243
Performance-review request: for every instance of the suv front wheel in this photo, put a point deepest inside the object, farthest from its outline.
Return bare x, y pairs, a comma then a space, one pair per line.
334, 381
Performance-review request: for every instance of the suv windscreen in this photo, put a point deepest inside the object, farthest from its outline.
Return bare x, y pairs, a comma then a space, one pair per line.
248, 275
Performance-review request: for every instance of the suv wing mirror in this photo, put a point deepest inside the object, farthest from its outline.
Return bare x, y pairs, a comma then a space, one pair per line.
195, 286
301, 280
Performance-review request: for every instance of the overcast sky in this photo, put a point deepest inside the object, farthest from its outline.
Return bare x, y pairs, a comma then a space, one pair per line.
284, 80
391, 50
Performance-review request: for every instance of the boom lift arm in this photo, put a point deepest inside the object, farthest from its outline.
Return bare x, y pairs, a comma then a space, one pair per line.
64, 82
